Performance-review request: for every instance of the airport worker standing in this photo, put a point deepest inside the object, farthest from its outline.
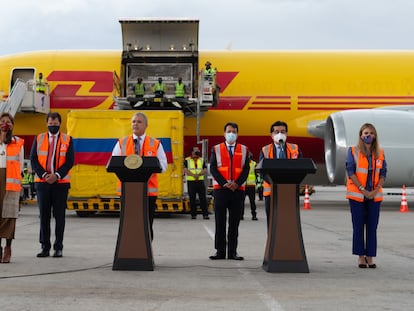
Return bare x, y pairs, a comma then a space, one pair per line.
250, 189
195, 169
159, 88
146, 146
259, 185
209, 70
366, 169
278, 149
229, 166
11, 164
52, 156
26, 180
41, 84
180, 89
139, 89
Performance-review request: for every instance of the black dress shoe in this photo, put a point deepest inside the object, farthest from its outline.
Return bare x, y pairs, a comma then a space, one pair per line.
235, 257
206, 217
43, 253
217, 256
57, 253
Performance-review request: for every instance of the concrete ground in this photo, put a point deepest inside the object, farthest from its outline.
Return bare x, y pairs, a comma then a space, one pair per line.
185, 279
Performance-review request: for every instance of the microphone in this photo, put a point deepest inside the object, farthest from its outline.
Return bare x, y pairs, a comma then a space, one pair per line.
282, 147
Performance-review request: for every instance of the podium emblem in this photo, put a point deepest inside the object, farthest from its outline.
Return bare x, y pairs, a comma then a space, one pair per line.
133, 161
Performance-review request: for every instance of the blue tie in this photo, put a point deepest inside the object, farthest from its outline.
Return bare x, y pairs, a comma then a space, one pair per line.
137, 145
281, 153
231, 151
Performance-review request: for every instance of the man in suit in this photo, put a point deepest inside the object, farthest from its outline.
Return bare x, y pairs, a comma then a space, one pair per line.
278, 149
142, 144
229, 166
52, 157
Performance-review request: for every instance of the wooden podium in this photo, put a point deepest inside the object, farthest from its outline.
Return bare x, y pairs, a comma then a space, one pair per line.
285, 251
133, 247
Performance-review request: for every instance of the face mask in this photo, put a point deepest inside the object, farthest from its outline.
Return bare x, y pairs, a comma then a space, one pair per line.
53, 129
231, 137
6, 127
197, 153
278, 137
368, 139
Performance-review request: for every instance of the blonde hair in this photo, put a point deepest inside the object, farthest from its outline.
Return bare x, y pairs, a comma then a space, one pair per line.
375, 149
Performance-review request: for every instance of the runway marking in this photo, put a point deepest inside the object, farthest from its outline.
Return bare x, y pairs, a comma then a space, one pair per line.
267, 299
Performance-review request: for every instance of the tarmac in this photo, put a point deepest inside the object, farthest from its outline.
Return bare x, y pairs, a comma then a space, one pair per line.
185, 279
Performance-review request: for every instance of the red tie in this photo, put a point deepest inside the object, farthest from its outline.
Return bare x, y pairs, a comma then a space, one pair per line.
49, 162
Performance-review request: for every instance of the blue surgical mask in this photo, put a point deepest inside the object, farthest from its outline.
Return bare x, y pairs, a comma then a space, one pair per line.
231, 137
368, 139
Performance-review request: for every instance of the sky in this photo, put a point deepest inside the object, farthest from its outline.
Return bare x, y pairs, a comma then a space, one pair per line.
27, 25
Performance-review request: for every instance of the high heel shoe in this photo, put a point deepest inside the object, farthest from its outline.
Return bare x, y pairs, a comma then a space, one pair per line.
372, 266
362, 265
6, 255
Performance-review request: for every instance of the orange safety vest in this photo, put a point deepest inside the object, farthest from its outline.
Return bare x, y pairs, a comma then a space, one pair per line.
361, 172
230, 168
149, 149
292, 152
62, 146
13, 176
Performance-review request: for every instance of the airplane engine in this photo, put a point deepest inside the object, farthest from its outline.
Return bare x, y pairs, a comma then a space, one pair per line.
395, 128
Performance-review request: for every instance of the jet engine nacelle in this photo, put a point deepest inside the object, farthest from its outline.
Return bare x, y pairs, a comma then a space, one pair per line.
395, 130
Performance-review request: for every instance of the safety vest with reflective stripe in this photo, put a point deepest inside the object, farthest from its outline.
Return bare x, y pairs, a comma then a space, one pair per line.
292, 152
62, 146
13, 169
179, 90
139, 89
192, 168
230, 168
361, 172
40, 85
149, 149
251, 178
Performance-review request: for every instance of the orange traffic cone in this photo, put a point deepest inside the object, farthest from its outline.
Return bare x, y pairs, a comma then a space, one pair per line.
404, 204
306, 201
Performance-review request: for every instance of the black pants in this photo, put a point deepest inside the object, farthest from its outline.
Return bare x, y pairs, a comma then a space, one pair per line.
225, 199
52, 199
250, 192
152, 206
197, 187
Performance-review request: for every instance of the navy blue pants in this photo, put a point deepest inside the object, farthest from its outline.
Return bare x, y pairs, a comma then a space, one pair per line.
365, 217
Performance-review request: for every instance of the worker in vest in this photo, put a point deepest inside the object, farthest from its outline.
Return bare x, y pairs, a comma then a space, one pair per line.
209, 70
278, 149
180, 89
26, 179
366, 170
146, 146
159, 89
139, 89
11, 164
52, 157
229, 166
41, 84
195, 169
250, 189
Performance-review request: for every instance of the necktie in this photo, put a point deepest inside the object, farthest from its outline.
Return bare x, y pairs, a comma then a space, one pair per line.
281, 153
137, 145
231, 151
49, 163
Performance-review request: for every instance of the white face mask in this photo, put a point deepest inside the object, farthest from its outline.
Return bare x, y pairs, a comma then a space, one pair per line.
231, 137
278, 137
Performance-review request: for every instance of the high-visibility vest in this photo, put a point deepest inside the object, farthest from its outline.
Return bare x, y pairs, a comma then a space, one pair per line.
192, 168
149, 149
62, 146
230, 168
139, 89
41, 85
210, 71
26, 178
13, 169
361, 172
159, 87
251, 178
292, 152
179, 90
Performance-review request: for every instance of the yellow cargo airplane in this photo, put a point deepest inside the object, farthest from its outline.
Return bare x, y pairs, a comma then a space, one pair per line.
324, 96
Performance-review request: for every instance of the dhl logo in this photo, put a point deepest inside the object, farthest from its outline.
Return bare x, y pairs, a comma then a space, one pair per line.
93, 90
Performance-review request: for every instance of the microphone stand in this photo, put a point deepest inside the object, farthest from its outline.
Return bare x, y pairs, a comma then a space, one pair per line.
282, 147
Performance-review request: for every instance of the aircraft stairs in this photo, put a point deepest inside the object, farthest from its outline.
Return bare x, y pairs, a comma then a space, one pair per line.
23, 97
